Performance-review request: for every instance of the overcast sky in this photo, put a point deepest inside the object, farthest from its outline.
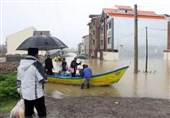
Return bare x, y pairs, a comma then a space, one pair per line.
65, 19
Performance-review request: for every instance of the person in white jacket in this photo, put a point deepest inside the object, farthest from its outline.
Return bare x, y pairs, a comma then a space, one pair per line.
30, 81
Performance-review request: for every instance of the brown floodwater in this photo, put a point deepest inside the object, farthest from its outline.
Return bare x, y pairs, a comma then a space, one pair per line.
154, 84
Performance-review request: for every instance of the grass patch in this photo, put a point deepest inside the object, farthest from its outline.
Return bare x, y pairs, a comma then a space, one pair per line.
7, 106
8, 92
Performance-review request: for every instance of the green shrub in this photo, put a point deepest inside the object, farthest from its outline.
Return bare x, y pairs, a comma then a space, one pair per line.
2, 78
8, 86
8, 92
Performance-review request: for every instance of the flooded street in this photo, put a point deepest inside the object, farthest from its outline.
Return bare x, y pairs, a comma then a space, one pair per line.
154, 84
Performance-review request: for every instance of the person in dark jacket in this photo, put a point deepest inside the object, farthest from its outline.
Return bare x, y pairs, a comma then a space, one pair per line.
64, 67
74, 65
87, 74
49, 66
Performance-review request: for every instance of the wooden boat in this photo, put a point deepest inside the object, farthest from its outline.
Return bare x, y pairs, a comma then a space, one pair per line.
101, 79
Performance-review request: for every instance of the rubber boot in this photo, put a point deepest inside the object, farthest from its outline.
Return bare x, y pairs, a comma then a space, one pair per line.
88, 85
82, 85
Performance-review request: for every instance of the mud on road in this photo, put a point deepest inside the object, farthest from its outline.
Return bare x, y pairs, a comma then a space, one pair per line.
7, 67
107, 107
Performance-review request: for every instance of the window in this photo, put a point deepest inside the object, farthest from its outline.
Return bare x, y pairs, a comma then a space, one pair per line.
93, 22
93, 31
109, 40
110, 25
93, 42
101, 42
101, 30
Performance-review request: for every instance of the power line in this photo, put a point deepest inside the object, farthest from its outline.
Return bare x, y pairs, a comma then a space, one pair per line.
142, 30
130, 34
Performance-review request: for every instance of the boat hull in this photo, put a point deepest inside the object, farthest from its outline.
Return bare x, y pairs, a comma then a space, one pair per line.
97, 80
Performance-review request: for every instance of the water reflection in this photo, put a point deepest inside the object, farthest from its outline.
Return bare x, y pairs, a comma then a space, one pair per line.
154, 84
75, 91
135, 84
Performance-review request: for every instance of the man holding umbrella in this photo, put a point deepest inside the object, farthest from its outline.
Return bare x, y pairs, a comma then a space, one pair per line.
31, 76
30, 82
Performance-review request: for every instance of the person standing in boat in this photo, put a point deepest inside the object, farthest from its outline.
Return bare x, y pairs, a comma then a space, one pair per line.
74, 65
48, 66
64, 67
86, 74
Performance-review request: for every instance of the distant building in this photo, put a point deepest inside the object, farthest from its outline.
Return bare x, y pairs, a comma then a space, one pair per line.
83, 48
80, 48
94, 46
42, 33
14, 40
86, 45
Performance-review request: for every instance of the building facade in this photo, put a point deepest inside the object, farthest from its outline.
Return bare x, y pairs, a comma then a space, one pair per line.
14, 40
81, 48
94, 46
86, 45
167, 51
117, 33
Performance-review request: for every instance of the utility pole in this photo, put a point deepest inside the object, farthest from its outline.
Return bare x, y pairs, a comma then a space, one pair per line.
135, 39
146, 65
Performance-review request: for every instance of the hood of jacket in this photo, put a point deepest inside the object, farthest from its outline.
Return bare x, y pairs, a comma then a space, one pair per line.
27, 62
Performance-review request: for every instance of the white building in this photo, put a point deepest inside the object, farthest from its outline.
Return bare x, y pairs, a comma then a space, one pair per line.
14, 40
86, 44
117, 32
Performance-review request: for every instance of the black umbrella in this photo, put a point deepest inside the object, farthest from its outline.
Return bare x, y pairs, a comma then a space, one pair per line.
65, 55
81, 57
42, 42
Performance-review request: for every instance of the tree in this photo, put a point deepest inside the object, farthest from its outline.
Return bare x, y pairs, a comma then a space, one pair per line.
3, 49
